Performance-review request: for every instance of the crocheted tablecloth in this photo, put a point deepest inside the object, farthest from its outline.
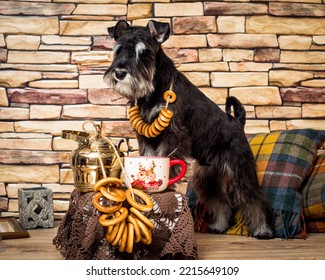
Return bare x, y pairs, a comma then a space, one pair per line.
81, 236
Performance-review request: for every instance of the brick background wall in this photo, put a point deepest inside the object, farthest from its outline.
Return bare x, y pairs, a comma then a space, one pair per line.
53, 53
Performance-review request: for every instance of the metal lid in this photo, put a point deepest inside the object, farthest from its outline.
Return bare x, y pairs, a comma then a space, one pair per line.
79, 136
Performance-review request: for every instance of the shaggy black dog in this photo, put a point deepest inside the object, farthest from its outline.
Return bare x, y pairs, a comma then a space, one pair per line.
224, 174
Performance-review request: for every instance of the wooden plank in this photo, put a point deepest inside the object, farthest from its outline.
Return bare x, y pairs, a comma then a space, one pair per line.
39, 246
229, 247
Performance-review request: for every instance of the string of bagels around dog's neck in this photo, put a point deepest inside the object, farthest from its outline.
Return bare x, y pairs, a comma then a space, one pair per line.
160, 123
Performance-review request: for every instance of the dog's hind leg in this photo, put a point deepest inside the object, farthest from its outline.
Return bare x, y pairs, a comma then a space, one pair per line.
222, 214
248, 197
211, 192
256, 220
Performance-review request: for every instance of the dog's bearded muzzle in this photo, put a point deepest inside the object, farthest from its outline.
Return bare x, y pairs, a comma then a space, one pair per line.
132, 86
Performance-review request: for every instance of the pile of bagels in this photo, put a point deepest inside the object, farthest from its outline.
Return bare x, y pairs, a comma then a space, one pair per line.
124, 226
159, 124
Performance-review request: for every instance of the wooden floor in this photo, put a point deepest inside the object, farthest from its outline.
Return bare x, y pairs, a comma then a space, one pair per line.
210, 247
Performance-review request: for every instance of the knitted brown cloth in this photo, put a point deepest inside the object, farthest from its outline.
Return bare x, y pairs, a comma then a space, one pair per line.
81, 236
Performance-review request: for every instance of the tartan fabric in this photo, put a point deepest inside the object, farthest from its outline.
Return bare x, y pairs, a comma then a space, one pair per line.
283, 161
316, 225
313, 191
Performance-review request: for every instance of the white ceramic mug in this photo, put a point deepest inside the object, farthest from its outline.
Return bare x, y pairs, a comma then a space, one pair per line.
150, 173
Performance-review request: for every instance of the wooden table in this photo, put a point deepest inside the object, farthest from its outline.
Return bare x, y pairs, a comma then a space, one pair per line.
210, 246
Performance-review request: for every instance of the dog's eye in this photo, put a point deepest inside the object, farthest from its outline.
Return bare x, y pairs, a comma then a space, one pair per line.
145, 52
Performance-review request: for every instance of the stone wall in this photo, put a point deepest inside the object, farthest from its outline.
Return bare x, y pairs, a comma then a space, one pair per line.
53, 53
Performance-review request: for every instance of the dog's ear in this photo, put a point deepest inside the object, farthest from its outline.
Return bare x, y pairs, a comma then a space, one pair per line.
118, 30
159, 30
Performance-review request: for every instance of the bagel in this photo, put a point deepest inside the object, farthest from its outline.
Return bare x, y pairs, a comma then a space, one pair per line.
147, 240
124, 227
110, 181
154, 131
106, 220
145, 232
167, 113
146, 198
134, 112
105, 209
110, 236
123, 240
142, 217
137, 232
130, 238
170, 96
119, 233
159, 124
113, 194
162, 123
163, 118
134, 108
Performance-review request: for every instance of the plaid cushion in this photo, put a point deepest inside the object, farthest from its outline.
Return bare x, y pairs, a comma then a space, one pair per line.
316, 225
313, 191
283, 161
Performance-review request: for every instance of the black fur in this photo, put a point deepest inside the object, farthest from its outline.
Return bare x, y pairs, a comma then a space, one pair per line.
224, 175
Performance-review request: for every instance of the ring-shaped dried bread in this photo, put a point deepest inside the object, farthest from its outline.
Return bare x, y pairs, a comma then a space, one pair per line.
151, 133
110, 236
147, 240
162, 123
134, 109
123, 240
143, 127
164, 118
130, 238
113, 194
134, 116
107, 220
167, 113
170, 96
137, 232
146, 131
158, 125
154, 130
145, 232
134, 119
119, 233
142, 217
110, 228
137, 125
105, 209
110, 181
146, 198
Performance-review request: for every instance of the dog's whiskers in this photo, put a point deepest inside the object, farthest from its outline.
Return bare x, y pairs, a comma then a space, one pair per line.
170, 154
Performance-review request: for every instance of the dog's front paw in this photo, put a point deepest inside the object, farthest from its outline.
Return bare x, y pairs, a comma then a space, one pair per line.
219, 226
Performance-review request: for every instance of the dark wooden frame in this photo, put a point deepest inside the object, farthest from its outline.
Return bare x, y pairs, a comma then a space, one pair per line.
17, 231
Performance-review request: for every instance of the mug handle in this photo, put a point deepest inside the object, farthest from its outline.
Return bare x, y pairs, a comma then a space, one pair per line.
181, 174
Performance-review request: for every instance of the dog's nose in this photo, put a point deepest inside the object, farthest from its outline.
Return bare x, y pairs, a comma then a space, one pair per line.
120, 74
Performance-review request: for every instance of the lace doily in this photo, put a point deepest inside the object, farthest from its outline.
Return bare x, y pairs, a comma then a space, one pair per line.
80, 236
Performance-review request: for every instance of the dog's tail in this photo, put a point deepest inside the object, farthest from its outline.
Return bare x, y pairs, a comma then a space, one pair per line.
239, 109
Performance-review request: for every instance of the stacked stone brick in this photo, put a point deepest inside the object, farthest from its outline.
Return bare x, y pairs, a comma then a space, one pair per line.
53, 53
